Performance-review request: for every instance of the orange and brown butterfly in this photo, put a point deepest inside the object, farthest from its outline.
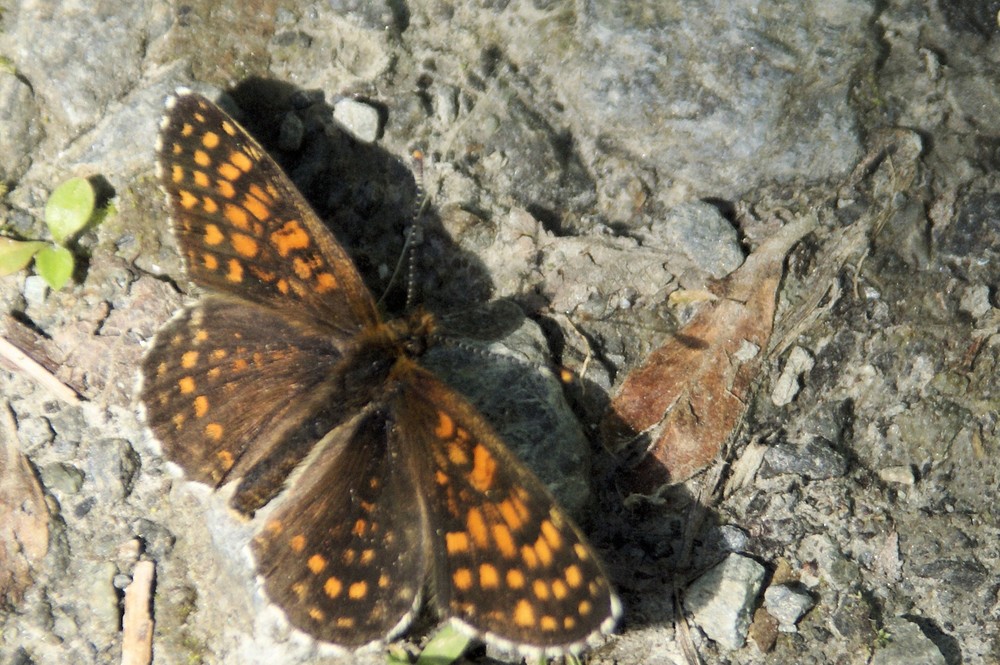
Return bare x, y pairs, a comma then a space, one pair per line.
413, 498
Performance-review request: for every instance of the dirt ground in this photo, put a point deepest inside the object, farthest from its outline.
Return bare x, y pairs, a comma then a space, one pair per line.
593, 172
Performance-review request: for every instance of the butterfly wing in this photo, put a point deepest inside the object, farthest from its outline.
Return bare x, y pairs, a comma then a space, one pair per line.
344, 556
226, 385
509, 564
244, 228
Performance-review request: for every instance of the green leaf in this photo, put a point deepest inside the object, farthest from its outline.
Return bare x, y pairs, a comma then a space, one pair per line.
16, 254
55, 265
446, 646
69, 208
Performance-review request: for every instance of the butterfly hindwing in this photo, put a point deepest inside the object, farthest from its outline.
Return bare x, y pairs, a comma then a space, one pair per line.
509, 564
225, 383
344, 554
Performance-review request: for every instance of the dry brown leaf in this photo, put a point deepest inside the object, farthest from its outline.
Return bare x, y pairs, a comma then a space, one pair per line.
24, 517
690, 394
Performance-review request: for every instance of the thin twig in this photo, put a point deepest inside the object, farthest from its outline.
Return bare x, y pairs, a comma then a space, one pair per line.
137, 623
36, 372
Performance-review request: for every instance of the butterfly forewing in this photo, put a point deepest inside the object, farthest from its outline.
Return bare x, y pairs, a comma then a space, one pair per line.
343, 555
509, 563
245, 229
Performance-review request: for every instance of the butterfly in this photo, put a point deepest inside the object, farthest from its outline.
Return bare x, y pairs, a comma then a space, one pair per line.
406, 496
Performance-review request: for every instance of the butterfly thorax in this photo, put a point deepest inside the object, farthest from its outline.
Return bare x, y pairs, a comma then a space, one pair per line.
382, 354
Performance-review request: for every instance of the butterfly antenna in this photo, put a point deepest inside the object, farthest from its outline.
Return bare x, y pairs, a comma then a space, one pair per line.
414, 237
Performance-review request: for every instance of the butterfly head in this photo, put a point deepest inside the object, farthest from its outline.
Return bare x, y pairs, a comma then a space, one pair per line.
414, 333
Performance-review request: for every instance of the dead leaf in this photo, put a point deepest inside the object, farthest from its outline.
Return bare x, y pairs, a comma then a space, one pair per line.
24, 517
687, 398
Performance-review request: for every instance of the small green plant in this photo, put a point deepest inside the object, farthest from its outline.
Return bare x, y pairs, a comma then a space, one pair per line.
69, 208
445, 646
882, 638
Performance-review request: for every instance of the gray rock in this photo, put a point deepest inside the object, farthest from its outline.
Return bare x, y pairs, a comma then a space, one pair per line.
722, 600
814, 459
906, 644
697, 231
359, 119
786, 387
787, 605
20, 126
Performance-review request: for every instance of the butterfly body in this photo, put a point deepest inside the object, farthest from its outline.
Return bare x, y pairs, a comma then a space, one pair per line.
411, 490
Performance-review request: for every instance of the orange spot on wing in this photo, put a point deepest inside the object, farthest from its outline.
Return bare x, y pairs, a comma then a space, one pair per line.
316, 564
504, 541
210, 140
489, 578
235, 273
188, 200
515, 578
552, 535
213, 236
237, 216
446, 426
200, 406
357, 590
186, 385
543, 551
462, 579
325, 282
457, 454
477, 528
259, 193
189, 359
289, 237
245, 245
524, 614
456, 542
256, 207
228, 171
240, 160
529, 557
574, 578
297, 543
510, 514
201, 158
213, 431
225, 188
332, 587
483, 469
301, 268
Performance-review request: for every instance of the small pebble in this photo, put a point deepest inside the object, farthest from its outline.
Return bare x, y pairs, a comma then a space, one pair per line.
359, 119
900, 475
